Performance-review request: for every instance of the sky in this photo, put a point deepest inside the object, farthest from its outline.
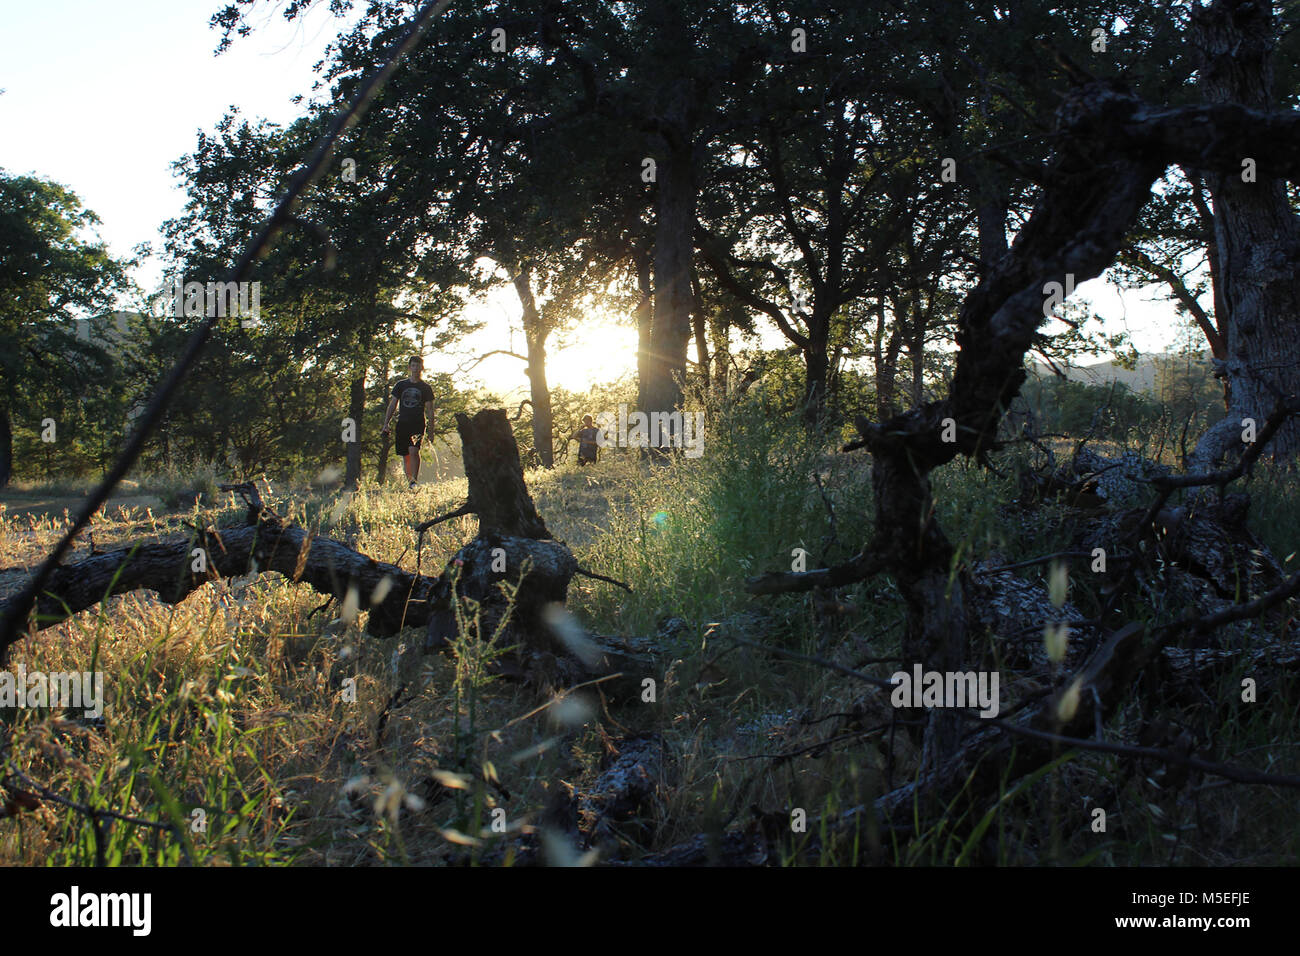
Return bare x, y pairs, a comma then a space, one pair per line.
103, 97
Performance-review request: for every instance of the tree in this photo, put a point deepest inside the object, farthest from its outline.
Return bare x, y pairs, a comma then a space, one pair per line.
1173, 244
51, 273
348, 292
807, 202
1257, 235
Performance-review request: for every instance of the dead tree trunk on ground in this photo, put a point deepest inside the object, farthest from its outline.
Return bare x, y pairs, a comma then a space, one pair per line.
507, 575
264, 543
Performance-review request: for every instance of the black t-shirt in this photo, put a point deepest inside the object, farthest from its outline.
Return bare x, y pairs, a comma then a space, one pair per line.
411, 397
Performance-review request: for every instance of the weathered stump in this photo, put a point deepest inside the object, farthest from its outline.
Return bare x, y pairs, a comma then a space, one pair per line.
512, 569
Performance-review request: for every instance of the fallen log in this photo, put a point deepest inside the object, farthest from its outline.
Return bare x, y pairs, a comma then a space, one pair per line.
626, 794
395, 598
509, 572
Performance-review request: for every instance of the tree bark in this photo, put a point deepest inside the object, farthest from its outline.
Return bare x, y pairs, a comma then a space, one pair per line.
6, 448
720, 333
381, 474
268, 544
512, 548
535, 333
817, 367
670, 327
643, 314
699, 327
991, 212
497, 493
356, 408
916, 354
1257, 237
884, 356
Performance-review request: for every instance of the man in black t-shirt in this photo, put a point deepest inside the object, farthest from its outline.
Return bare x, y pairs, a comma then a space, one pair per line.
412, 398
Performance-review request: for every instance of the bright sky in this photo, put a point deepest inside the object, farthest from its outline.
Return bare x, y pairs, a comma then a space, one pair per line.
102, 97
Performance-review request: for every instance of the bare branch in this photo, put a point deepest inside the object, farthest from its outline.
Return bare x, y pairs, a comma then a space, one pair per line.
600, 577
858, 568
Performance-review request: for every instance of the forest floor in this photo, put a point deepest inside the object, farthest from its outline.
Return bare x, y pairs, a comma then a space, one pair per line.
271, 731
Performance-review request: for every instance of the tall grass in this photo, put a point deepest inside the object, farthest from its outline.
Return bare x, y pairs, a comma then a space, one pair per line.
305, 739
685, 533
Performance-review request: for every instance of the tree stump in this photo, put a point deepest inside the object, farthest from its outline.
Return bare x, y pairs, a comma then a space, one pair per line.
512, 566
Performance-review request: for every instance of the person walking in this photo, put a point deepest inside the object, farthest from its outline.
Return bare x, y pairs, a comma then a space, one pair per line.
586, 438
412, 400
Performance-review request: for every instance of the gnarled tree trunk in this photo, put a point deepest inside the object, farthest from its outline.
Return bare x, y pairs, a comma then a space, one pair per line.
1257, 237
507, 574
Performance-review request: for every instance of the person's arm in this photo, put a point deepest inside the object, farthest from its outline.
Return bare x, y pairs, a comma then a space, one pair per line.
388, 416
430, 410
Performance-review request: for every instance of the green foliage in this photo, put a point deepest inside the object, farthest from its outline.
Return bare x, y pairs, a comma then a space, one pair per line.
54, 272
738, 510
1111, 412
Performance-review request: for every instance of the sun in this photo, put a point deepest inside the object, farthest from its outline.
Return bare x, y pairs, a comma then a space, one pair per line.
598, 349
597, 352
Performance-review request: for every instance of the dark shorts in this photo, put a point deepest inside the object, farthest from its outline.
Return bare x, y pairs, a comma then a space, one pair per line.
408, 435
587, 454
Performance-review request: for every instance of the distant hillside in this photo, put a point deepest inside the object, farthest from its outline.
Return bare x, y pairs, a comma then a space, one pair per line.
1139, 379
109, 330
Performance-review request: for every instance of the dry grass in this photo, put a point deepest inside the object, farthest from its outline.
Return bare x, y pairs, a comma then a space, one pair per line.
239, 700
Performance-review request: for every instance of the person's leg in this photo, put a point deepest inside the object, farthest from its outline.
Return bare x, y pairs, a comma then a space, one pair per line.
404, 452
414, 457
398, 448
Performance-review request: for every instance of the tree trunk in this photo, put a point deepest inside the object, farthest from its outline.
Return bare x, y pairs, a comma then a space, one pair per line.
936, 633
535, 332
267, 544
6, 447
644, 313
512, 547
497, 493
381, 475
540, 393
1258, 241
1215, 336
992, 215
817, 365
720, 333
885, 361
699, 327
670, 328
356, 408
916, 353
512, 543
